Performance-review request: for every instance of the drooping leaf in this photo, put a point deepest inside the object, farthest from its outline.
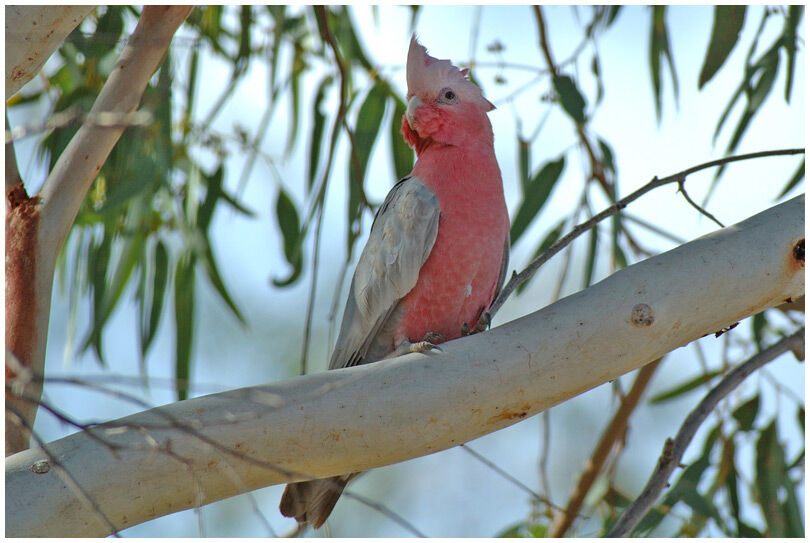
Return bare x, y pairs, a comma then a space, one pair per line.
184, 321
298, 67
155, 307
536, 195
401, 152
794, 181
524, 157
288, 223
789, 42
776, 492
318, 119
728, 22
571, 98
608, 158
660, 47
369, 119
747, 413
758, 324
212, 270
683, 388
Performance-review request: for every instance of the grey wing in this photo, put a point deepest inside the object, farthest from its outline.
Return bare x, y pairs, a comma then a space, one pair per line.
504, 267
400, 242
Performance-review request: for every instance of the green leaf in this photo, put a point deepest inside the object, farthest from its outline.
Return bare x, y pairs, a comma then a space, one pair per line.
593, 242
212, 270
245, 22
659, 46
571, 99
369, 119
608, 159
758, 324
794, 181
401, 152
524, 156
184, 321
536, 195
728, 22
782, 515
108, 32
683, 388
789, 42
298, 67
316, 138
158, 294
747, 413
288, 223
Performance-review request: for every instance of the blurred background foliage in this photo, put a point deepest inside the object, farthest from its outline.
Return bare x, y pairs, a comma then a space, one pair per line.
145, 226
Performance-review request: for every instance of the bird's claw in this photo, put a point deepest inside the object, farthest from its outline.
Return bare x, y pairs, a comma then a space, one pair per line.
428, 343
422, 346
484, 321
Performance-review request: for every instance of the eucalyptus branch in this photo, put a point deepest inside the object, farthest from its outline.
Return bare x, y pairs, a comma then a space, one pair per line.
519, 278
674, 449
91, 429
52, 462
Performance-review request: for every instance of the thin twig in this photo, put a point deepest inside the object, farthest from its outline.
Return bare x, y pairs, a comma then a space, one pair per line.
329, 38
674, 449
701, 210
494, 467
519, 278
312, 288
612, 433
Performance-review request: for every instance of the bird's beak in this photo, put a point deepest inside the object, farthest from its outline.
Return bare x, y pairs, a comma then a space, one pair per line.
413, 103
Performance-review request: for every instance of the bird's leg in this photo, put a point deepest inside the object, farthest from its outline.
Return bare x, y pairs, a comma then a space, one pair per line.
428, 343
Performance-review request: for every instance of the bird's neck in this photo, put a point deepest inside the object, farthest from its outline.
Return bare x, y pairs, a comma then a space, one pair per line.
449, 169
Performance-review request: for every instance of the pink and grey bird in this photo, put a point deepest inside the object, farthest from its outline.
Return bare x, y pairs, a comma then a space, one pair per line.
437, 253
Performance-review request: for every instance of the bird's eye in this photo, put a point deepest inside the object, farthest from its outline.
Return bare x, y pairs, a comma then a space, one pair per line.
447, 96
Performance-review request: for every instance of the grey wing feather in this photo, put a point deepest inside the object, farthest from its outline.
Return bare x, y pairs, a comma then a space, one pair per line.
504, 267
401, 238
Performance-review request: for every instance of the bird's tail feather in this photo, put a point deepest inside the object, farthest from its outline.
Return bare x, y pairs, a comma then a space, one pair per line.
311, 502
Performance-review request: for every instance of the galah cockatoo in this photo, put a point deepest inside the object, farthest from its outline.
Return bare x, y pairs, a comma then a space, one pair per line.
437, 253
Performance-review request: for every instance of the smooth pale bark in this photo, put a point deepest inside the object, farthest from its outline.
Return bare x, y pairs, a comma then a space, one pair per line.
359, 418
37, 227
32, 35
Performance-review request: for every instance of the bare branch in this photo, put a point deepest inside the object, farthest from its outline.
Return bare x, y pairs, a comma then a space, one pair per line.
613, 432
518, 278
674, 449
32, 35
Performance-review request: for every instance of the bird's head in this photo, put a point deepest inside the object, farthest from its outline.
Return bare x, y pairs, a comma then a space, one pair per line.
444, 106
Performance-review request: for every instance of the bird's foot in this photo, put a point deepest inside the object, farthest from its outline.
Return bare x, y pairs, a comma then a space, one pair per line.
483, 323
428, 343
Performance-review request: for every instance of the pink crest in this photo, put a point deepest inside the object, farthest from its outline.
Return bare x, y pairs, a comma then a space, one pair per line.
427, 76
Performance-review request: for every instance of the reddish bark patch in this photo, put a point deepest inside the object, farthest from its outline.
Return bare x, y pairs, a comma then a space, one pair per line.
511, 413
798, 254
22, 219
